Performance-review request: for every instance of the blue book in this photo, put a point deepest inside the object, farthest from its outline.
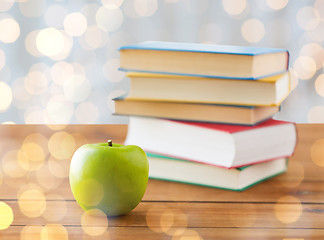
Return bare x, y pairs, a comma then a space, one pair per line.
204, 60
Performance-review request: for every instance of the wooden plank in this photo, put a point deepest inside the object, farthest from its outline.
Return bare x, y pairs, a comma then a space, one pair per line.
269, 191
140, 233
94, 131
180, 214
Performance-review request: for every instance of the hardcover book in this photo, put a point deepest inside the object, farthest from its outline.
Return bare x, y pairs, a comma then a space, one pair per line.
231, 114
207, 60
225, 145
269, 91
237, 179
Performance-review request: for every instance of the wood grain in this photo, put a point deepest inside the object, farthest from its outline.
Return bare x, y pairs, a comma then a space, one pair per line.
289, 206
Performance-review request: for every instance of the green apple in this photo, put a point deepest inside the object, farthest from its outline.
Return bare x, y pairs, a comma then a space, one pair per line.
109, 177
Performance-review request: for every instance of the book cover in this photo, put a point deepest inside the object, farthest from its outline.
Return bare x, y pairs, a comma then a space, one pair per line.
204, 48
213, 113
225, 145
236, 179
269, 91
205, 60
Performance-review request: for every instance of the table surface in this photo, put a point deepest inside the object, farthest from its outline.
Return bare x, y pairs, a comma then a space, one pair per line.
34, 184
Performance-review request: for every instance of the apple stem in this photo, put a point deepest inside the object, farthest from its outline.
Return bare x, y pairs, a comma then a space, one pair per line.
110, 143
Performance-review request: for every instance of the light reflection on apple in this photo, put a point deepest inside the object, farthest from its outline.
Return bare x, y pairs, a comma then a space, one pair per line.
89, 192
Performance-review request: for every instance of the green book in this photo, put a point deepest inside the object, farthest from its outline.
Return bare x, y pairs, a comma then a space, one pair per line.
236, 179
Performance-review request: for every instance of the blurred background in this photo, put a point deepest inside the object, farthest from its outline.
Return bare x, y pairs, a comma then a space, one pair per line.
59, 59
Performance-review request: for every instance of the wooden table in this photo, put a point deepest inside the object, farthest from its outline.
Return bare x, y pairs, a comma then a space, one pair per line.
34, 184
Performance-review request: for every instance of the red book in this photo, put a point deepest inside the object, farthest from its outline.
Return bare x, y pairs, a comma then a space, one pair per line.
224, 145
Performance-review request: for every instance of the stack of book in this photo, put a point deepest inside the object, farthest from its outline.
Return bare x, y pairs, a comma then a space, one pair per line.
204, 113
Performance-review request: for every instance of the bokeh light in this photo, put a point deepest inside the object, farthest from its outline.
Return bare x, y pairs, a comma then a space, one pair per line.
31, 156
5, 97
94, 37
211, 33
6, 5
30, 44
55, 15
319, 85
319, 6
86, 34
46, 179
315, 51
94, 222
112, 4
234, 7
304, 67
50, 41
111, 72
189, 234
307, 18
145, 8
36, 83
6, 216
76, 88
253, 30
109, 19
277, 4
32, 8
89, 192
317, 152
75, 24
296, 170
288, 209
59, 110
316, 114
10, 165
32, 202
59, 169
56, 208
54, 232
32, 232
87, 113
61, 71
9, 30
171, 221
2, 59
61, 145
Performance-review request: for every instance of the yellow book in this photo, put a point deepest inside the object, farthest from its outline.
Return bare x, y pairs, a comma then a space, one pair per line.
270, 91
